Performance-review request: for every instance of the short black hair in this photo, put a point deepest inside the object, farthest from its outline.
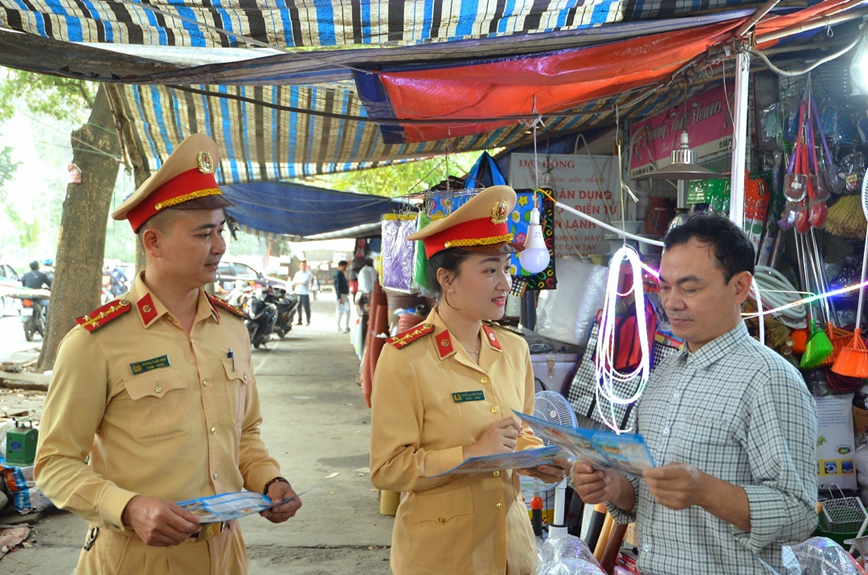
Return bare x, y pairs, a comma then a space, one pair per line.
732, 249
342, 263
449, 259
369, 262
34, 265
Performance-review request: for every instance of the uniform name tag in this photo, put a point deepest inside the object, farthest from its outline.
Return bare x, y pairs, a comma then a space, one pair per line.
463, 396
150, 364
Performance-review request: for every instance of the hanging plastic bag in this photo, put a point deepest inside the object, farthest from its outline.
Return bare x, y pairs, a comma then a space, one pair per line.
420, 260
398, 252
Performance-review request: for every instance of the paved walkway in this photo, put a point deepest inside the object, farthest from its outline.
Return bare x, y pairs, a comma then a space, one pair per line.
315, 424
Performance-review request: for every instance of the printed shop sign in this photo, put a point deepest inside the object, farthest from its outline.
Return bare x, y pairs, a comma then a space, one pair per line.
577, 187
708, 126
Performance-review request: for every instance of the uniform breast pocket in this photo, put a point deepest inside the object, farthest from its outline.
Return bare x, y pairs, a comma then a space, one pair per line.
701, 441
159, 406
238, 376
442, 533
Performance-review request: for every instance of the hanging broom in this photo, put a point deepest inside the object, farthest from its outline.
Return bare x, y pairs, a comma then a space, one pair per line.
845, 218
853, 360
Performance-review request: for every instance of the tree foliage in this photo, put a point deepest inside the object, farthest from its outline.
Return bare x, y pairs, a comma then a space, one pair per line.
399, 179
58, 98
8, 167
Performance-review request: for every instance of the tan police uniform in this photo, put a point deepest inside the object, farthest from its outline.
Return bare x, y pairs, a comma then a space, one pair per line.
162, 413
431, 399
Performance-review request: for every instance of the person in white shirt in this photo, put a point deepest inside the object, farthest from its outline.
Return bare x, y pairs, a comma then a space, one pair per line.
301, 283
367, 279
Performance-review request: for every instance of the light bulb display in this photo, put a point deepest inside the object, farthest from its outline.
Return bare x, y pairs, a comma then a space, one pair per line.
535, 256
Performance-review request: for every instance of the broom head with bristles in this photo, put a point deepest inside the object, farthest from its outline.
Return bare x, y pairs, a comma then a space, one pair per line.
853, 360
839, 339
817, 349
845, 218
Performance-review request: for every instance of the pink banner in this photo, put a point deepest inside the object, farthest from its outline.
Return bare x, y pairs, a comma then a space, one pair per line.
708, 126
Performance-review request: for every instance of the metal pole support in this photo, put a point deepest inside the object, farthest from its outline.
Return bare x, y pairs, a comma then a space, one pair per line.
739, 138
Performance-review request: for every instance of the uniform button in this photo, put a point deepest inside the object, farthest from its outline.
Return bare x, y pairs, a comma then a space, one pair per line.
496, 473
213, 429
500, 505
483, 380
665, 431
205, 382
495, 409
442, 520
158, 389
245, 377
646, 549
214, 475
676, 395
192, 341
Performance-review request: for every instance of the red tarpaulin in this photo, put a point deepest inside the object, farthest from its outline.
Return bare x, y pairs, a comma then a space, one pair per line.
549, 83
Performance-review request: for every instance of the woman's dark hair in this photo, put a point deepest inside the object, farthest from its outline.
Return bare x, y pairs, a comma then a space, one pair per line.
449, 260
732, 249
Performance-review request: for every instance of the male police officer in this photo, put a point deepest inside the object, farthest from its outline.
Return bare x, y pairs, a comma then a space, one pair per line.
158, 388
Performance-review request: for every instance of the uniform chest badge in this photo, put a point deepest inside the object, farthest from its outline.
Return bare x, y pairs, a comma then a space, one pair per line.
150, 364
464, 396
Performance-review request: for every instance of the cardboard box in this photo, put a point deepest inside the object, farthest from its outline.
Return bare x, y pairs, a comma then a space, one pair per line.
836, 445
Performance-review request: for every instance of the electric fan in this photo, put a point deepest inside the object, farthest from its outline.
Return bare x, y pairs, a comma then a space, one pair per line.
552, 407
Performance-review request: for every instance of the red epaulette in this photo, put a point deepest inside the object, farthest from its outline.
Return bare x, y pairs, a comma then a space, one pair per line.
227, 306
411, 335
102, 315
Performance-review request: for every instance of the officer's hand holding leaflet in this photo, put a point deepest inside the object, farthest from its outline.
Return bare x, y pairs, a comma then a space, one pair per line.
158, 522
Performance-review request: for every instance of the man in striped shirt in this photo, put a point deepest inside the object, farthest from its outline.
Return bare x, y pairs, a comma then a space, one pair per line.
729, 422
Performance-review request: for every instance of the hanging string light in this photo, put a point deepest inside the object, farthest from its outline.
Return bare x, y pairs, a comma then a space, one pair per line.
607, 377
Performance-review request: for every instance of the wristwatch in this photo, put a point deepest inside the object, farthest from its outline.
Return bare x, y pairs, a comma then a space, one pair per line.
275, 480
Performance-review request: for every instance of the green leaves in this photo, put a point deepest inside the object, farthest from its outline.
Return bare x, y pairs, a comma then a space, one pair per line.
59, 98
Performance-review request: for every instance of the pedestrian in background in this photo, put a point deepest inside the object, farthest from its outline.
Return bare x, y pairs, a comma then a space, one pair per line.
358, 264
157, 390
301, 282
367, 279
314, 287
342, 293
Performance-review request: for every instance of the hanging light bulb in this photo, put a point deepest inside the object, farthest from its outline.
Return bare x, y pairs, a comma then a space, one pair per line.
535, 257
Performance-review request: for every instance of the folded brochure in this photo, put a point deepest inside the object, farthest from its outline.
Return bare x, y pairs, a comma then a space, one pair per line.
525, 459
624, 452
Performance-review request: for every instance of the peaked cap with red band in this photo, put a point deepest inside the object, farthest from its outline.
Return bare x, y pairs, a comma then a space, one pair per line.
185, 181
477, 226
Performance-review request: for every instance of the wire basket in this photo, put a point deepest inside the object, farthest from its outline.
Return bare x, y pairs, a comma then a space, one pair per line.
842, 515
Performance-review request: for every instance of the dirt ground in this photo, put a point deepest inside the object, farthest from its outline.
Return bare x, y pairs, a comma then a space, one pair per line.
315, 424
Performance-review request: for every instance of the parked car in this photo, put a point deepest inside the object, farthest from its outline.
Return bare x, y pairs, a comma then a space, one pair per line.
9, 280
231, 270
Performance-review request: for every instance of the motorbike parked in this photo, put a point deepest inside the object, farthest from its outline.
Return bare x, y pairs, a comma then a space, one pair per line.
262, 315
287, 306
270, 310
34, 308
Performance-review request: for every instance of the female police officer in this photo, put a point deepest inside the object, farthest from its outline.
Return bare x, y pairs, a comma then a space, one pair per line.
444, 392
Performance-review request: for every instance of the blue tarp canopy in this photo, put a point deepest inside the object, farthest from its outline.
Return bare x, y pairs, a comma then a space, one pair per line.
280, 208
